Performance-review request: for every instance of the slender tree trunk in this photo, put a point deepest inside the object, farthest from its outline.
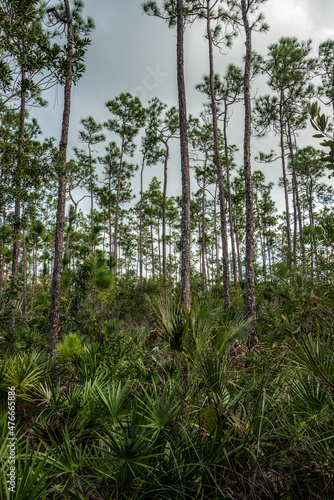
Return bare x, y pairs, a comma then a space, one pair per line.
34, 270
91, 190
200, 248
294, 176
238, 248
228, 186
283, 251
68, 236
309, 195
152, 252
285, 184
24, 258
272, 257
212, 262
250, 274
17, 207
141, 224
295, 220
164, 195
314, 246
257, 213
226, 277
109, 219
185, 221
263, 251
203, 237
208, 268
215, 231
117, 203
269, 256
159, 249
60, 218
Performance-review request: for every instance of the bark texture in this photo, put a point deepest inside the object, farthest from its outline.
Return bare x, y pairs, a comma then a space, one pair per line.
250, 276
185, 171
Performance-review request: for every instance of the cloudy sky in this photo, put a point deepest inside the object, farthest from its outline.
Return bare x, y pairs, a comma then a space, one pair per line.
131, 52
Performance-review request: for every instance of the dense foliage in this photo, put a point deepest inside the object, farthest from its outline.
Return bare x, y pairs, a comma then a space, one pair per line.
144, 395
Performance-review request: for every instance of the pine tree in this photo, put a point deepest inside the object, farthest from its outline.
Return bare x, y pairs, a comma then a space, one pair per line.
128, 118
227, 92
249, 8
176, 14
91, 135
71, 69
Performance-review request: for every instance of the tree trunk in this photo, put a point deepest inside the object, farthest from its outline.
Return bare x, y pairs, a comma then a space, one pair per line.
17, 207
117, 203
24, 258
91, 186
238, 248
285, 184
269, 256
34, 270
185, 221
152, 252
141, 224
295, 223
164, 195
215, 231
159, 249
309, 194
226, 277
294, 176
109, 219
250, 275
203, 237
60, 217
228, 186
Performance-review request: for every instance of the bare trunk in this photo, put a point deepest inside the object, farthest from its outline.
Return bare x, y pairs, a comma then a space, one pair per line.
215, 231
185, 222
152, 252
117, 204
294, 176
203, 237
24, 258
226, 277
250, 275
238, 248
159, 250
17, 207
109, 221
285, 184
91, 185
164, 195
34, 271
309, 195
141, 224
295, 224
60, 218
228, 186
